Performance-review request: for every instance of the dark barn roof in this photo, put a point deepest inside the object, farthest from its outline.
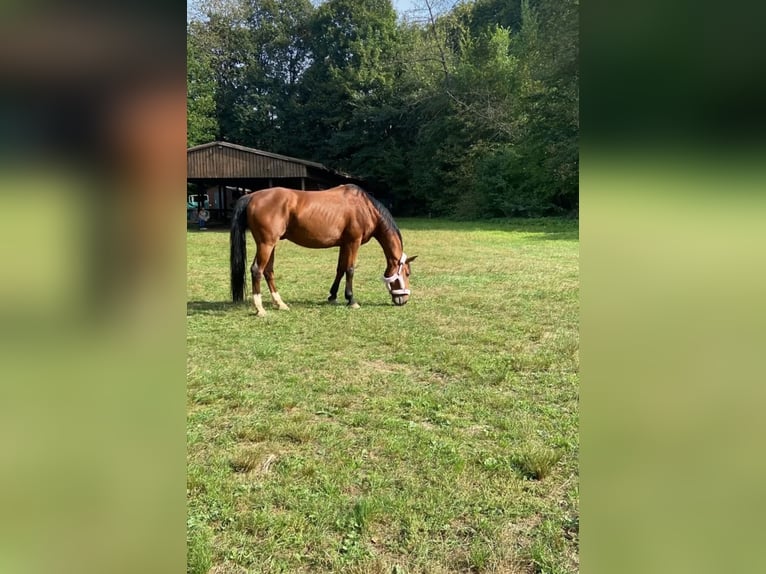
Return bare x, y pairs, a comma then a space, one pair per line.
224, 161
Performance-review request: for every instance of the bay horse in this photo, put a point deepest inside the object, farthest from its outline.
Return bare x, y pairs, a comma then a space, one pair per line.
344, 216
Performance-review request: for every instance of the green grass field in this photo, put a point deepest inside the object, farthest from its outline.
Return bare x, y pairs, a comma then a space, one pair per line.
436, 437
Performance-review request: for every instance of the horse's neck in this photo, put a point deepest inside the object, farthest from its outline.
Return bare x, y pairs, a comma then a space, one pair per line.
392, 246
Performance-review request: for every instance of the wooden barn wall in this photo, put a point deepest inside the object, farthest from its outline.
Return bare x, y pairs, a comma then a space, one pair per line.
215, 161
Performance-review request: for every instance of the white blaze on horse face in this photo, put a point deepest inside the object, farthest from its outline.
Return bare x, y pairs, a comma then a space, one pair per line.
258, 305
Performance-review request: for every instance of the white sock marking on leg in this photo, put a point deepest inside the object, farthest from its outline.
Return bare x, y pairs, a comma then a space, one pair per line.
258, 304
278, 301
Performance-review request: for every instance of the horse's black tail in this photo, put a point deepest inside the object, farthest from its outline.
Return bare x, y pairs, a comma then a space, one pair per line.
238, 242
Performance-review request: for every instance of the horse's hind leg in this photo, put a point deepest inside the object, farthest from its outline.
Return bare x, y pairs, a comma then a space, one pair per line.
340, 270
269, 274
261, 260
350, 263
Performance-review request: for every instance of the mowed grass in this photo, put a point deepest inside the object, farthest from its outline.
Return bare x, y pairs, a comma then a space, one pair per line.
436, 437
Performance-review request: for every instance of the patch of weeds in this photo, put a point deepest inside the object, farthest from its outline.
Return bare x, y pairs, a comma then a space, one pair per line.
288, 403
440, 419
245, 461
480, 556
571, 526
297, 434
491, 463
198, 548
410, 534
536, 462
547, 552
195, 484
359, 420
353, 527
363, 510
258, 433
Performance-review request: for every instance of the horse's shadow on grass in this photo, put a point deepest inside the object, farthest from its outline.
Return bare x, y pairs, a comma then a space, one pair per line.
225, 307
307, 303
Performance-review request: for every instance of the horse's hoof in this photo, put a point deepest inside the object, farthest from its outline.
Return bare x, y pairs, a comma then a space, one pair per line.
353, 305
332, 301
283, 307
260, 314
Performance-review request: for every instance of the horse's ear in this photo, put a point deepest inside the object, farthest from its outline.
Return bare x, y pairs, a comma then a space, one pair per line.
411, 259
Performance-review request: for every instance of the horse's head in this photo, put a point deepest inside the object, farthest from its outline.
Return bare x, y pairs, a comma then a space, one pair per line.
398, 283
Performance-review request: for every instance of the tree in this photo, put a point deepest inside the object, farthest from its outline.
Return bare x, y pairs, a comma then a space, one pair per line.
353, 47
278, 57
467, 110
201, 123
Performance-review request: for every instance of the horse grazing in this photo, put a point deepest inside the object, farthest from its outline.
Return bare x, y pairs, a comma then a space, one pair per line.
344, 216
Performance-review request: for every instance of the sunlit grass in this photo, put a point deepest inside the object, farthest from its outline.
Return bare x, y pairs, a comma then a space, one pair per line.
325, 439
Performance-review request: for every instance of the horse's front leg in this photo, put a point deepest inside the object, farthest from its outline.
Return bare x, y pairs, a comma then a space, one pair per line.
269, 275
333, 298
349, 294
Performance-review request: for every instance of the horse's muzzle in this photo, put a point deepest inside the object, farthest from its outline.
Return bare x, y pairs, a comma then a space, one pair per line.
400, 300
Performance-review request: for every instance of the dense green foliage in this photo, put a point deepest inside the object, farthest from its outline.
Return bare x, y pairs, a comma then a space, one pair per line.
469, 112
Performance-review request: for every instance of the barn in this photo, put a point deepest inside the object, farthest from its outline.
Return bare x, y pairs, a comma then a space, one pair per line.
217, 173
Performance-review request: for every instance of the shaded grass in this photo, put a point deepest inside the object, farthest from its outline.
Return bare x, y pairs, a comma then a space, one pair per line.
436, 437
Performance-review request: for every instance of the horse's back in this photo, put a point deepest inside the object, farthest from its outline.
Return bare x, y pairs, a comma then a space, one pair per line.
313, 219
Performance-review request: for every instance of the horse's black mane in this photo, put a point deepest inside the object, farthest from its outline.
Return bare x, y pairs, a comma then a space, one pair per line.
386, 218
